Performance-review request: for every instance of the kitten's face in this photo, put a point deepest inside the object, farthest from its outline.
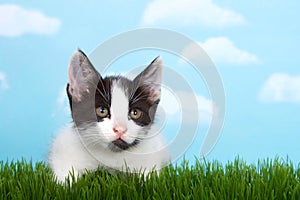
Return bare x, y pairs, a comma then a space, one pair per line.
113, 112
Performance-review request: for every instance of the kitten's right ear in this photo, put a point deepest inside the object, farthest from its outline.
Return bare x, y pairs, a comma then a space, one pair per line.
82, 76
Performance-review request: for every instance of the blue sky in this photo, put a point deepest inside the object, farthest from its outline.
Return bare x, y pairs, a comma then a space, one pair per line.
255, 46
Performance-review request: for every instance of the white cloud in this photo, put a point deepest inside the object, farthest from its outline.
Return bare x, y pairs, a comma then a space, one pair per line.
281, 87
189, 12
169, 102
206, 107
16, 21
62, 97
174, 103
3, 82
62, 104
221, 50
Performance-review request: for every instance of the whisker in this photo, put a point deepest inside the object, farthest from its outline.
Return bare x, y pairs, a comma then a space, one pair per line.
139, 94
105, 96
139, 98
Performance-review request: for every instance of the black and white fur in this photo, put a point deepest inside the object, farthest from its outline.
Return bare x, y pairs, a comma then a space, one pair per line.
115, 141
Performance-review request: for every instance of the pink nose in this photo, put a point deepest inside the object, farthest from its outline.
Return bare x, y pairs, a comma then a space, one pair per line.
119, 130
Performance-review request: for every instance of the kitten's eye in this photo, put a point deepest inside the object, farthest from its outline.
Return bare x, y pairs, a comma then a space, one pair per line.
102, 111
135, 113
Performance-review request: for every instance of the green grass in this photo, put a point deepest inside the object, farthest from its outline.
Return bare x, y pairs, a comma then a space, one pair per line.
278, 179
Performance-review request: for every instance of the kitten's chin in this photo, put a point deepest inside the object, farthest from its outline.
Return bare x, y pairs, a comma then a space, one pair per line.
120, 145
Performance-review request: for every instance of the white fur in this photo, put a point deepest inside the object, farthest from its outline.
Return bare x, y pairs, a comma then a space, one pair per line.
87, 148
119, 114
70, 153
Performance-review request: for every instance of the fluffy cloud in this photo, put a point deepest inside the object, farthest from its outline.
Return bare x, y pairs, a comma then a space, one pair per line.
16, 21
172, 105
62, 107
206, 107
222, 50
281, 87
3, 82
189, 12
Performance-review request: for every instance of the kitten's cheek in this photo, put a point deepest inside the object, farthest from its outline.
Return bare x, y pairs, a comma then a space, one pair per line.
105, 132
128, 138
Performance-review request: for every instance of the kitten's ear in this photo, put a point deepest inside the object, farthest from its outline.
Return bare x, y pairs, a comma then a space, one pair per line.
151, 77
82, 76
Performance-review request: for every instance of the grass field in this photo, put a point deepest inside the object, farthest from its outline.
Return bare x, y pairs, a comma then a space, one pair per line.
277, 179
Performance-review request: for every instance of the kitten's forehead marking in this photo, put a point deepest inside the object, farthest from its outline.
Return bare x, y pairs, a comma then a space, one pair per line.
119, 104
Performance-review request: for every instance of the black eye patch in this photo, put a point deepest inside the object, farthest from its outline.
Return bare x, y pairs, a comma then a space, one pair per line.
140, 100
103, 96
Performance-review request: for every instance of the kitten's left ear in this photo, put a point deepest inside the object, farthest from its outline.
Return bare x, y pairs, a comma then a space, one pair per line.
152, 78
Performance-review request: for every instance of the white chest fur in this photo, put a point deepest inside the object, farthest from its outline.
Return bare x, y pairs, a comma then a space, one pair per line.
69, 153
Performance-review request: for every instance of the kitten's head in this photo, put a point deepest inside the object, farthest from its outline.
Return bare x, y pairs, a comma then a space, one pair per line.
113, 112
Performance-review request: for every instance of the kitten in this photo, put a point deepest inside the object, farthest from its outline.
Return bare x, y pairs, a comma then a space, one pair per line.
113, 122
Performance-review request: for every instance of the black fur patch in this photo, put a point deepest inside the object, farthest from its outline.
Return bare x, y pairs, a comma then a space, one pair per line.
120, 145
103, 95
140, 100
